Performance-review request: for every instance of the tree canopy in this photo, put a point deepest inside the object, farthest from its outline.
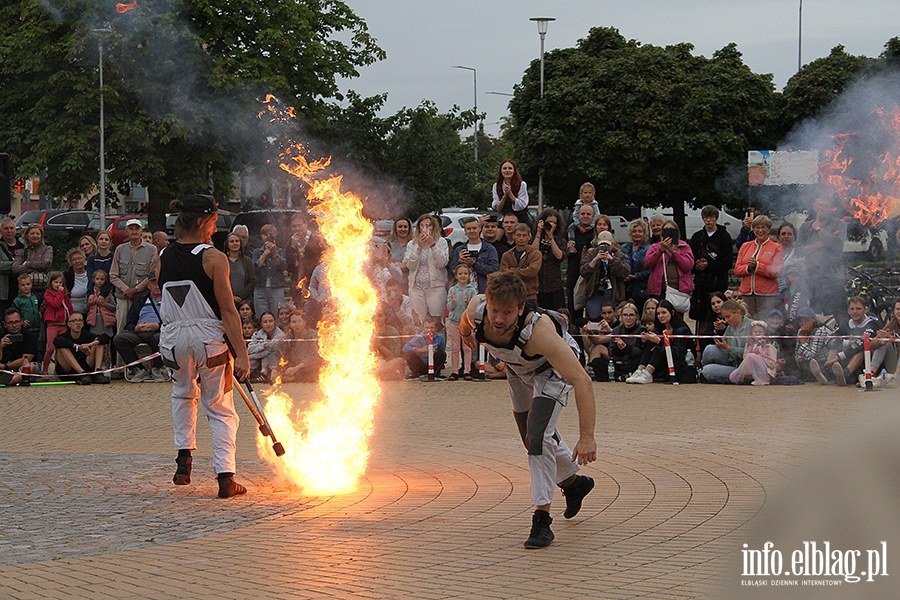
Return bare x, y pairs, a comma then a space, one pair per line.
647, 125
414, 161
183, 80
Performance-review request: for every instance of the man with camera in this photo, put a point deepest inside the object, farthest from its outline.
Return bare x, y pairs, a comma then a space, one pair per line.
604, 269
18, 347
480, 256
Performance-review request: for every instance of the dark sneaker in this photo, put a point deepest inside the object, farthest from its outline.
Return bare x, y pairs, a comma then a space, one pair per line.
839, 376
575, 493
83, 380
541, 536
99, 378
816, 370
228, 487
183, 472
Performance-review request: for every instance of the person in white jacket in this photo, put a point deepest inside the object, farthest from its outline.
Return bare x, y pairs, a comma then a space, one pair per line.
426, 258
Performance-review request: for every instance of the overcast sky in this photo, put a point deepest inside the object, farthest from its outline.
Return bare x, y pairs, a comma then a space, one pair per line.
423, 39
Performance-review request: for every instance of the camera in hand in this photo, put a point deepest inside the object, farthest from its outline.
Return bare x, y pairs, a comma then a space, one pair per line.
473, 254
15, 338
548, 226
603, 246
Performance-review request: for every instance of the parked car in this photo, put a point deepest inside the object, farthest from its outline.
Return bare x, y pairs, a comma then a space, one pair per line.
115, 225
692, 221
69, 223
452, 220
223, 228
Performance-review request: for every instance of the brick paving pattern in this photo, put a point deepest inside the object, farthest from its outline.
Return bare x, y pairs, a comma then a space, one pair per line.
87, 507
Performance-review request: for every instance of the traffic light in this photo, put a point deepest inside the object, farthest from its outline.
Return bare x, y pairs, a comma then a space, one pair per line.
5, 184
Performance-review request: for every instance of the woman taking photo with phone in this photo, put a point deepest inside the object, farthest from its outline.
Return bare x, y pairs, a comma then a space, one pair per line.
670, 261
426, 258
549, 241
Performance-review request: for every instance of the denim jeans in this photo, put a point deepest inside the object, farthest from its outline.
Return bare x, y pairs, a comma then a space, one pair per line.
715, 365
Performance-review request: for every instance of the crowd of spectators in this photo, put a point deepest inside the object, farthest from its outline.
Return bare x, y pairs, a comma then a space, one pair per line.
657, 308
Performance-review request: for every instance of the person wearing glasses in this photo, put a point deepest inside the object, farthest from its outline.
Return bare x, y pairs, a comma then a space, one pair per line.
79, 352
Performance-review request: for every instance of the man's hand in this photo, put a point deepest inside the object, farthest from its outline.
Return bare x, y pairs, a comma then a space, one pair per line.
241, 366
131, 293
4, 342
702, 264
585, 451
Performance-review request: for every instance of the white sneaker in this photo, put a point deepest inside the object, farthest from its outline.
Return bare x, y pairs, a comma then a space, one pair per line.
877, 381
816, 370
633, 377
160, 374
139, 375
642, 376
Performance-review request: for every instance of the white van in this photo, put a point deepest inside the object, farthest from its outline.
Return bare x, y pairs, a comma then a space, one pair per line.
692, 221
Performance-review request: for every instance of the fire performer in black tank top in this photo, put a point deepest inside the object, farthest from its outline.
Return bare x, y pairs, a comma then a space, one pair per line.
198, 314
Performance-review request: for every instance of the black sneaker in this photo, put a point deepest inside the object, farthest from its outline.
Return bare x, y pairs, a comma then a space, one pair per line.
228, 487
99, 378
575, 493
541, 536
183, 472
83, 380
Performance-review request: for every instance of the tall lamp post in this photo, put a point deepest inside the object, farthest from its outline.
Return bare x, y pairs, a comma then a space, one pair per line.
542, 30
800, 36
102, 135
475, 83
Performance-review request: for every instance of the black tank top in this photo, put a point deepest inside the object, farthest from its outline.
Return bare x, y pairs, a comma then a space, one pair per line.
178, 262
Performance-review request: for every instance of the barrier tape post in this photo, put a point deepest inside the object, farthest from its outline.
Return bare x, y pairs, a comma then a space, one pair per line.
481, 357
867, 352
669, 360
430, 335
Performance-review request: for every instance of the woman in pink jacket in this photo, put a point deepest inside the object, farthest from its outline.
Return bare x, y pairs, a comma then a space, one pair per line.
759, 263
671, 256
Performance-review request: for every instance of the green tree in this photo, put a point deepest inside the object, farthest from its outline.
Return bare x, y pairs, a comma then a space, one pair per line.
817, 85
647, 125
183, 82
414, 161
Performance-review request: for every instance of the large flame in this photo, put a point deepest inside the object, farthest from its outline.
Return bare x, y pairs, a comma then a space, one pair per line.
867, 181
327, 446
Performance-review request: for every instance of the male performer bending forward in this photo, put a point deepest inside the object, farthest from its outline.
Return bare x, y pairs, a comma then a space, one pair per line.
197, 312
541, 369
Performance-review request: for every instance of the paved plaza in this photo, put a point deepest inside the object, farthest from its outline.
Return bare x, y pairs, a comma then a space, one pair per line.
88, 509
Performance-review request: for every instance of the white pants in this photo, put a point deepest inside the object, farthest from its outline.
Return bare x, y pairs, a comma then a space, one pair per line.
537, 405
431, 301
212, 385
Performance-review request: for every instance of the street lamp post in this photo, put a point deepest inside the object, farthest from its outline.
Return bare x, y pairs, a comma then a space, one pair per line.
102, 135
475, 83
542, 30
800, 36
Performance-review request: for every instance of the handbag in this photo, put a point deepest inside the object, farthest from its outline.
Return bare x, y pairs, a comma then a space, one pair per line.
580, 294
40, 279
680, 300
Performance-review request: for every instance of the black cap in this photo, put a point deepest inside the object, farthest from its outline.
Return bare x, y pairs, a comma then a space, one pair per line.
199, 204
